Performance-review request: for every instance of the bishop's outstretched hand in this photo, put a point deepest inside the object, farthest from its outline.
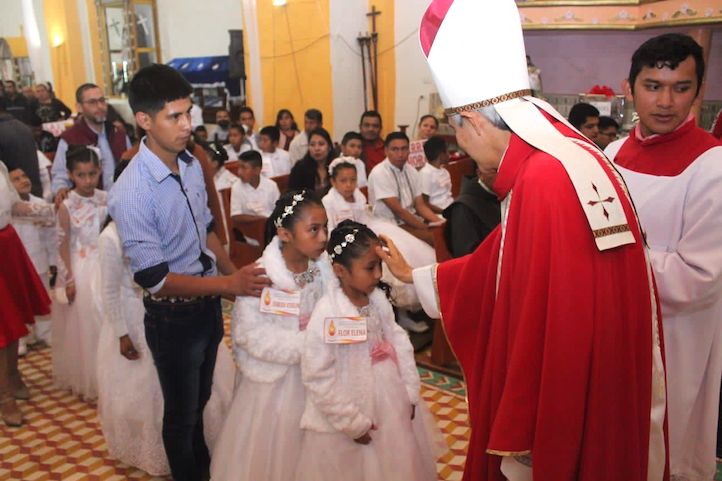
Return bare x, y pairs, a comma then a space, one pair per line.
394, 260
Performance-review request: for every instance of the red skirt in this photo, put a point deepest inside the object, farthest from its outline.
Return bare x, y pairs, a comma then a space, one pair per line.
22, 294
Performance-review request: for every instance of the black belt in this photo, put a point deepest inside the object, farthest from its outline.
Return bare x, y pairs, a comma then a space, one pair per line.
179, 301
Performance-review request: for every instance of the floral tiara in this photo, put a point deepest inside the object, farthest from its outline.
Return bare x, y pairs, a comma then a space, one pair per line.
288, 210
347, 240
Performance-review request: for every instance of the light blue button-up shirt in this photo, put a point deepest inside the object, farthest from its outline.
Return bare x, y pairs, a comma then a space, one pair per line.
162, 218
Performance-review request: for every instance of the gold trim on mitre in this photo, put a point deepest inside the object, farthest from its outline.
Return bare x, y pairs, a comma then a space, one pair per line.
487, 102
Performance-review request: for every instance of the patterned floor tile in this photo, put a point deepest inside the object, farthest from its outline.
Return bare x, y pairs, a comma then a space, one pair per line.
62, 440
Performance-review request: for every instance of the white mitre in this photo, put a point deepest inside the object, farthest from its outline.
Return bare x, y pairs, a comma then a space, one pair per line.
475, 50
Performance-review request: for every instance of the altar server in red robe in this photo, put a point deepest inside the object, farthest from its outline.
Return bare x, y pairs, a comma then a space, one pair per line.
673, 170
554, 318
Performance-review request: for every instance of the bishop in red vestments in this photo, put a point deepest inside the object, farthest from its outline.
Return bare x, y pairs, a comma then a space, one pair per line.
554, 318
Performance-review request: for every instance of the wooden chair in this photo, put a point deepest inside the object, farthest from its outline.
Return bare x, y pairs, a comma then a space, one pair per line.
242, 253
457, 170
282, 182
441, 354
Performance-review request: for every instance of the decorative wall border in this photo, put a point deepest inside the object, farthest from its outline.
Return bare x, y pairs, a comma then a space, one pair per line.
616, 14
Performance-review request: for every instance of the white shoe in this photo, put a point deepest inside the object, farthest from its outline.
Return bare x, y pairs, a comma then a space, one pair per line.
409, 324
22, 348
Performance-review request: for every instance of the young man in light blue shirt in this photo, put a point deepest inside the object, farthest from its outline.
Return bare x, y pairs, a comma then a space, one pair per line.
161, 210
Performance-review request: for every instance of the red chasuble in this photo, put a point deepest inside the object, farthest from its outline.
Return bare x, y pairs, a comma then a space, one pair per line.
557, 348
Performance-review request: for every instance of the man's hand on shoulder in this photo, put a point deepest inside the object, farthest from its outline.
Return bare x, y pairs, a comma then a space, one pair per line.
249, 280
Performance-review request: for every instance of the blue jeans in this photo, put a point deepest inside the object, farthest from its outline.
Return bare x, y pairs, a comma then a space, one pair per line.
183, 340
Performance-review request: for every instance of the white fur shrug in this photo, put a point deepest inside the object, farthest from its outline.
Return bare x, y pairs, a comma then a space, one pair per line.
265, 345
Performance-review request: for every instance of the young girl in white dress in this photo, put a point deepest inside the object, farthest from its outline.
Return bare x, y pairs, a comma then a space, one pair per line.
364, 419
75, 318
130, 402
261, 437
345, 201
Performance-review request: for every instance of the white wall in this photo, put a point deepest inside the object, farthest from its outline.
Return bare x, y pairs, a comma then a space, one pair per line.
192, 28
11, 17
348, 19
413, 77
573, 62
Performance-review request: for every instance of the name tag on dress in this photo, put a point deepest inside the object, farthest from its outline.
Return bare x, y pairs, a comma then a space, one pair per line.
280, 303
345, 330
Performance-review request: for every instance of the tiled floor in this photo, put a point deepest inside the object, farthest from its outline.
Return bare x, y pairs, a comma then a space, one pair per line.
61, 439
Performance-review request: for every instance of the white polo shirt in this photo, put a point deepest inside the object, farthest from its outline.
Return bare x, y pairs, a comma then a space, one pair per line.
387, 181
436, 183
276, 163
246, 200
232, 154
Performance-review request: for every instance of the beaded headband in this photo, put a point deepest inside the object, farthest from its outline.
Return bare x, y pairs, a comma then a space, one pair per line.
347, 240
288, 210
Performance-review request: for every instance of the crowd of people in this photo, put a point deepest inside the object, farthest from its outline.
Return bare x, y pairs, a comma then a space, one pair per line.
591, 350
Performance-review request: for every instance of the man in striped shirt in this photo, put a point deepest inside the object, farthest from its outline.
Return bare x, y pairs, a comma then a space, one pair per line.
161, 210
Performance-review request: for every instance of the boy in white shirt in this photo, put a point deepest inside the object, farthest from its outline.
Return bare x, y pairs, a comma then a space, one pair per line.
275, 161
435, 179
352, 146
395, 190
255, 196
40, 242
237, 142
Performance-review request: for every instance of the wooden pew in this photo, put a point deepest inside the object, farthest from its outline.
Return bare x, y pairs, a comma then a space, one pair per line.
232, 166
441, 354
242, 253
457, 170
282, 182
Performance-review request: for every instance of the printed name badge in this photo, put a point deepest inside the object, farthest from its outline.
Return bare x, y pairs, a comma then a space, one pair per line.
279, 302
344, 330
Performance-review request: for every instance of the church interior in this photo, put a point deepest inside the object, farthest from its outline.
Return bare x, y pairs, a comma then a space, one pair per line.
337, 57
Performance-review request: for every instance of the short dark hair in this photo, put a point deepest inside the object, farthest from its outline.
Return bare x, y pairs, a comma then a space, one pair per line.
371, 113
398, 135
272, 132
580, 112
154, 86
668, 50
80, 154
11, 82
237, 126
605, 122
314, 114
434, 147
348, 136
81, 90
252, 157
200, 128
246, 109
